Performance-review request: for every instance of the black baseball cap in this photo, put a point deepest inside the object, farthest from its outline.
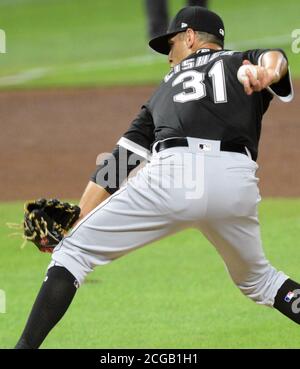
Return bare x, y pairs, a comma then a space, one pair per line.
195, 17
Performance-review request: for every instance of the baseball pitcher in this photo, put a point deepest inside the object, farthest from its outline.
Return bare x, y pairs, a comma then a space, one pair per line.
198, 136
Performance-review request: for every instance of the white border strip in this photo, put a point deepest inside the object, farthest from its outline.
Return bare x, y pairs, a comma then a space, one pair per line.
287, 98
134, 147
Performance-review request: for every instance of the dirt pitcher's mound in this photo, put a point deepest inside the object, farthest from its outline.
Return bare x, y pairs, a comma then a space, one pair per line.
50, 140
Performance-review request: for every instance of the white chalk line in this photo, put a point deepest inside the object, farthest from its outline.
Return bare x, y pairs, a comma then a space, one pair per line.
139, 60
22, 77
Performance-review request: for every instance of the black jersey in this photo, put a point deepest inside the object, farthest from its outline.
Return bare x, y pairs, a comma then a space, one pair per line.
201, 97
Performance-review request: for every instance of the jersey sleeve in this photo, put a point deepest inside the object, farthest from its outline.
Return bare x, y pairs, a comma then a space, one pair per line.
282, 89
131, 149
140, 135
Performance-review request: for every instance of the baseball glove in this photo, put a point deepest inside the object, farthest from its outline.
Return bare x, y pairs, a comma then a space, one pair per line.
47, 221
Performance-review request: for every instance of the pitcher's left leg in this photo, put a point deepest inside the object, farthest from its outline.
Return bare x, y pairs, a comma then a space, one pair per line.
238, 241
240, 246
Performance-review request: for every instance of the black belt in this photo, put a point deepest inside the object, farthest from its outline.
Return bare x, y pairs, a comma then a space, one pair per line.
182, 141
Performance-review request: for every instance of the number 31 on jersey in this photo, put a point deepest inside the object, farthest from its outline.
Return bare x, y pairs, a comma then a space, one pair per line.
193, 81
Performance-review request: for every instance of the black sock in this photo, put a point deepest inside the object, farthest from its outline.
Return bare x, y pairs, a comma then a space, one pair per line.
53, 300
287, 300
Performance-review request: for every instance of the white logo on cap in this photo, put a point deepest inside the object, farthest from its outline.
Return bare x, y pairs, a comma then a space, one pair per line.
221, 31
183, 25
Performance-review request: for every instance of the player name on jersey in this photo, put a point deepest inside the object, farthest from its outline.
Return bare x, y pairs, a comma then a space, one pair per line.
195, 61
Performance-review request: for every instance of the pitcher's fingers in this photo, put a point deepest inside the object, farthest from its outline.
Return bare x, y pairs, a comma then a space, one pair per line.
247, 86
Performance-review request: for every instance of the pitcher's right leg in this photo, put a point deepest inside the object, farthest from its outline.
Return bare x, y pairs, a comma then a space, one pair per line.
127, 220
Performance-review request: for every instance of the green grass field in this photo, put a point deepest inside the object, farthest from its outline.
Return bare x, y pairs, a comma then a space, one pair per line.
172, 294
92, 42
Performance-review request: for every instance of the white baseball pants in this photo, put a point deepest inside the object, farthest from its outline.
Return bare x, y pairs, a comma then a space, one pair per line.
182, 187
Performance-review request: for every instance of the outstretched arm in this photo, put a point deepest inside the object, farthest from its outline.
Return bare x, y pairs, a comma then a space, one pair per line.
92, 196
272, 67
132, 148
